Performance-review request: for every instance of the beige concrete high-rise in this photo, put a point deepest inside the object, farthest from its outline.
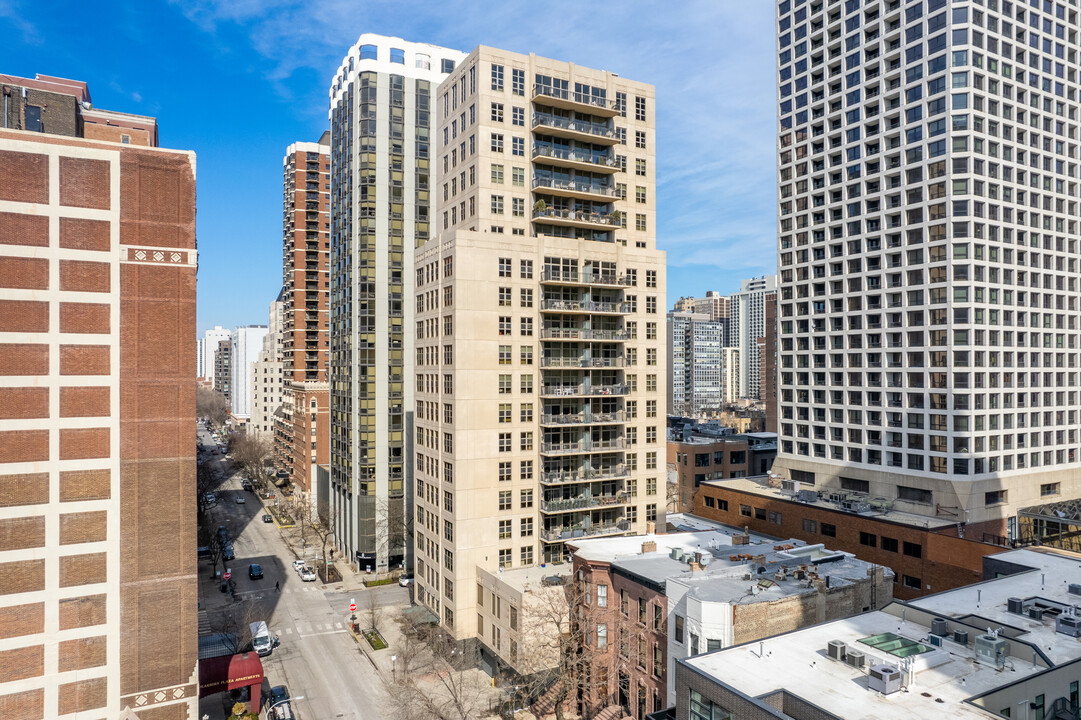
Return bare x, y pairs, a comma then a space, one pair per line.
540, 366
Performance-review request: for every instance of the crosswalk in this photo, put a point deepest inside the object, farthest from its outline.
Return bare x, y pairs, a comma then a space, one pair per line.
303, 588
308, 629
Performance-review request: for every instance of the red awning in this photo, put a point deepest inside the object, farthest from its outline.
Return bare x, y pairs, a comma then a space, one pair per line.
229, 672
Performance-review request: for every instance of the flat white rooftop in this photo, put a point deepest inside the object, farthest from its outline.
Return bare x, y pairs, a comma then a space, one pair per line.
529, 578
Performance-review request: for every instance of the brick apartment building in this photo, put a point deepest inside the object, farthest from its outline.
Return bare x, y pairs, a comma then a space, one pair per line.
698, 459
648, 601
926, 555
302, 427
97, 411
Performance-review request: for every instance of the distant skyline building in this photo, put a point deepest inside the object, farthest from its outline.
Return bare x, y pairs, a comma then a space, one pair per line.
746, 324
267, 375
247, 343
382, 177
928, 251
302, 423
209, 346
223, 369
98, 589
540, 360
695, 357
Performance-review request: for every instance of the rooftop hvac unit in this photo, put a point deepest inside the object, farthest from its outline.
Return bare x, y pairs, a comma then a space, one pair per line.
990, 650
960, 637
791, 486
1015, 605
836, 649
855, 658
1068, 625
940, 626
808, 496
1036, 613
935, 640
886, 679
1074, 589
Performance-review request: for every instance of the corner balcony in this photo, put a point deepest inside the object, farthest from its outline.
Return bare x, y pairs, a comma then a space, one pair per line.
584, 475
584, 502
582, 390
581, 447
575, 159
566, 217
574, 129
580, 102
582, 418
548, 361
579, 307
580, 531
583, 334
578, 189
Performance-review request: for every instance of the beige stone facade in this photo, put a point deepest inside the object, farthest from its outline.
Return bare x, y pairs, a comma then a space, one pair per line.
540, 366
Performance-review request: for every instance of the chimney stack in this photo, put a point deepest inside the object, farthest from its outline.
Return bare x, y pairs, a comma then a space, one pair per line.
651, 528
649, 546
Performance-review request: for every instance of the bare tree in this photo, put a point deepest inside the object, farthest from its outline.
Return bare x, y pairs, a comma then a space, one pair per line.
255, 455
373, 611
211, 404
233, 623
323, 530
442, 682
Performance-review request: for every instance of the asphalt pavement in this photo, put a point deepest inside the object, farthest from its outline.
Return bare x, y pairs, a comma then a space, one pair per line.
317, 658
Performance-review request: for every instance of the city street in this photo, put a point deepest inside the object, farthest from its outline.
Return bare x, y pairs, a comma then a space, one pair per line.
317, 657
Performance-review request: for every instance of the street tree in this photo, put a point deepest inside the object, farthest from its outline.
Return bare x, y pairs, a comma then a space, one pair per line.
211, 404
323, 530
442, 683
255, 455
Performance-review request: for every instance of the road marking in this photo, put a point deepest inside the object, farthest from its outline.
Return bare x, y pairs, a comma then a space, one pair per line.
315, 634
338, 625
288, 631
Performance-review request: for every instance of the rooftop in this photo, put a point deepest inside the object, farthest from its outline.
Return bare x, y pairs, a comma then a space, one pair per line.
860, 504
529, 578
942, 678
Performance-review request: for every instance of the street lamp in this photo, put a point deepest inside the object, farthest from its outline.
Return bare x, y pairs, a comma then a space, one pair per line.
273, 705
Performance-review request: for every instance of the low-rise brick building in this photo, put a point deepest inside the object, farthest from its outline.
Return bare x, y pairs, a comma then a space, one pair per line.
655, 599
700, 458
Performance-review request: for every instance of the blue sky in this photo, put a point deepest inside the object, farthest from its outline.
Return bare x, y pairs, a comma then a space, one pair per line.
239, 80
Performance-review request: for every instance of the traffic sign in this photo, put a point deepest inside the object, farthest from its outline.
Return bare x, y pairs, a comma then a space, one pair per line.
228, 574
352, 606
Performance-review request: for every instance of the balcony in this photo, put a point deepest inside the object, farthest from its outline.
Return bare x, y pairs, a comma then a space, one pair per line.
586, 277
567, 217
572, 532
583, 502
582, 390
583, 334
582, 446
578, 189
581, 102
582, 418
548, 361
577, 306
584, 475
574, 129
575, 158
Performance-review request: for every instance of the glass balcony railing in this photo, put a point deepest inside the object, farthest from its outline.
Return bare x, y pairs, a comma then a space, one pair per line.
583, 502
566, 95
582, 334
577, 531
591, 188
575, 155
582, 126
589, 474
580, 362
572, 390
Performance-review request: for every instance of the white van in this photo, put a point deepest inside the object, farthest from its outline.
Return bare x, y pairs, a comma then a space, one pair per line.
261, 641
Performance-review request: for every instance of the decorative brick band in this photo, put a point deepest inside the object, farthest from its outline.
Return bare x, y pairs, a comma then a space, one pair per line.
158, 256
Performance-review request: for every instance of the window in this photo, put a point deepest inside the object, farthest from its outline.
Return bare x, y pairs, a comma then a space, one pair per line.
640, 167
518, 116
994, 497
775, 517
526, 414
829, 530
642, 604
889, 544
504, 325
640, 222
639, 108
679, 629
912, 549
527, 326
517, 80
497, 77
497, 174
505, 557
658, 617
602, 596
526, 271
504, 354
505, 444
525, 472
526, 441
505, 471
639, 138
916, 495
497, 142
868, 539
810, 526
497, 204
397, 56
497, 112
505, 502
912, 583
505, 297
526, 385
504, 267
517, 178
527, 498
526, 527
505, 529
526, 555
745, 510
505, 410
1049, 489
517, 207
640, 194
624, 602
517, 146
527, 298
369, 52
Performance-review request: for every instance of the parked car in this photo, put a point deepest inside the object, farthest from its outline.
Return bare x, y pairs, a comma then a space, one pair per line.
298, 564
405, 579
246, 485
268, 519
255, 572
211, 498
227, 552
279, 705
307, 574
239, 499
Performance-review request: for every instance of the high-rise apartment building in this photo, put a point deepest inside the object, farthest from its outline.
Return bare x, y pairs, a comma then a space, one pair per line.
768, 362
746, 324
928, 253
302, 426
713, 304
382, 176
267, 374
540, 360
208, 347
247, 343
98, 590
695, 349
730, 374
223, 369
